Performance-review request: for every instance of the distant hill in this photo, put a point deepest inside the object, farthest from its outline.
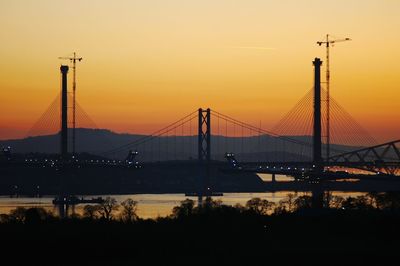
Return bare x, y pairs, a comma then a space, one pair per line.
100, 141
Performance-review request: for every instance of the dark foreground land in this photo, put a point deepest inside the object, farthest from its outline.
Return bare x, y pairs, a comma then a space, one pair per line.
214, 234
344, 239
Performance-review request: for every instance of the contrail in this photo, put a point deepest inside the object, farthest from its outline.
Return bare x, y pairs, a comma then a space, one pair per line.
252, 47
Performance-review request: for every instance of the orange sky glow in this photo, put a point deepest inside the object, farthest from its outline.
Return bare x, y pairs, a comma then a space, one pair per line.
148, 63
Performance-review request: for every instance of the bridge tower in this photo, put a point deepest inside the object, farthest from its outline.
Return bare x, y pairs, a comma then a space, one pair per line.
204, 136
317, 154
64, 112
204, 153
317, 191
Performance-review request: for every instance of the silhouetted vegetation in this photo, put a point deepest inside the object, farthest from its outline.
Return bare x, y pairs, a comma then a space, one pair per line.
110, 210
353, 230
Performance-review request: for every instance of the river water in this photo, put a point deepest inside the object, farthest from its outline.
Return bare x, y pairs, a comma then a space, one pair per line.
151, 205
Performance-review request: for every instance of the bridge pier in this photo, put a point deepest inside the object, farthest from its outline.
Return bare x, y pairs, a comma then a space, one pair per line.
63, 210
317, 195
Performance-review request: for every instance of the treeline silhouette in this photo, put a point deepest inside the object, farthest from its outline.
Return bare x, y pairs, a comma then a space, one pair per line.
347, 231
126, 211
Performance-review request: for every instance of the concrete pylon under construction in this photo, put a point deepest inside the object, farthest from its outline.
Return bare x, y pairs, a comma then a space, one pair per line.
317, 145
64, 112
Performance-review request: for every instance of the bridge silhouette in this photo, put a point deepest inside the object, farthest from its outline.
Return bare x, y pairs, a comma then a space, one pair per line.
206, 134
294, 147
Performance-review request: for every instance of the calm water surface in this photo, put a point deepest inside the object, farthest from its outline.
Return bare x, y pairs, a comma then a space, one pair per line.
151, 205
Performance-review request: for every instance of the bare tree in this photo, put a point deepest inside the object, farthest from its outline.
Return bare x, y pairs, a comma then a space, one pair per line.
107, 208
287, 204
129, 210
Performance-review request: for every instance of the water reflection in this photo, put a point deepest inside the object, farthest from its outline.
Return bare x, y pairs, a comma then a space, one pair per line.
279, 178
154, 205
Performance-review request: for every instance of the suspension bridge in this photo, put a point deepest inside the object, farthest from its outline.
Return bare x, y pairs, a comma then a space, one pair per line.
216, 146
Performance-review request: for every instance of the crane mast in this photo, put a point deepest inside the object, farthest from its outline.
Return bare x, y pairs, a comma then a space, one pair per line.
73, 60
328, 42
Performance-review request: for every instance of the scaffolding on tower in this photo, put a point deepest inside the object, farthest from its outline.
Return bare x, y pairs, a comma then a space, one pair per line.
73, 60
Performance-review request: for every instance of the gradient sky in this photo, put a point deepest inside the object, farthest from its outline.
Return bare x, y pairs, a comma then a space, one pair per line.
147, 63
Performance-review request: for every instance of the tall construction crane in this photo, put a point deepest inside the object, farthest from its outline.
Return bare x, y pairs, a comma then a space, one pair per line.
73, 60
328, 42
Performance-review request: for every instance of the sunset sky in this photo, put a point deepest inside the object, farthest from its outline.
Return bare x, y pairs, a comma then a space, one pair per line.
147, 63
